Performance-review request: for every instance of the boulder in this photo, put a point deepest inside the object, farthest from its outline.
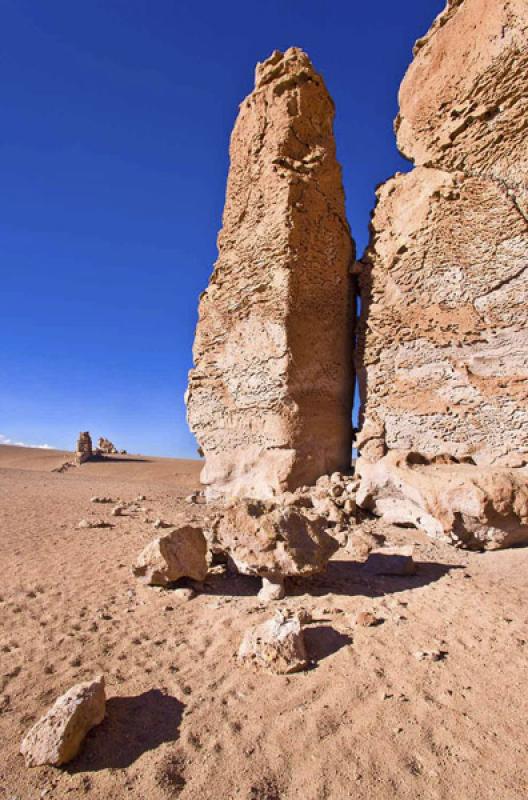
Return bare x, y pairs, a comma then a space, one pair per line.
178, 554
57, 737
276, 645
84, 450
271, 541
470, 506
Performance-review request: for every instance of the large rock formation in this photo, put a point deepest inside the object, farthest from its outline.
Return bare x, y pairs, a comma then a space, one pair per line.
443, 343
479, 508
269, 399
84, 451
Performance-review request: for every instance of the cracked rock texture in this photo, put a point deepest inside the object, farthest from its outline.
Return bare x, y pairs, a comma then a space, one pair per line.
443, 339
269, 398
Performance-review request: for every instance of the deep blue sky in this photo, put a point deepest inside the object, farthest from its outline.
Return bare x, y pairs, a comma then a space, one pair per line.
115, 123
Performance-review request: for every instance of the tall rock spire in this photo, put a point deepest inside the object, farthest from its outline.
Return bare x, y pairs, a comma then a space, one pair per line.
270, 396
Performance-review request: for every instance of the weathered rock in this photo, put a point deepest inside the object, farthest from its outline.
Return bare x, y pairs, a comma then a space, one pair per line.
94, 523
106, 447
272, 589
84, 451
470, 506
268, 540
443, 337
178, 554
269, 398
57, 737
276, 645
102, 499
365, 619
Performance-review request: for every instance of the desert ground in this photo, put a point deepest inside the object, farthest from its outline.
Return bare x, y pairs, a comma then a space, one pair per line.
368, 720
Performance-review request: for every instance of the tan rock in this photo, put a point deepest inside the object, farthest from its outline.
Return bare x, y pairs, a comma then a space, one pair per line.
269, 398
268, 540
443, 338
276, 645
180, 553
84, 451
57, 737
470, 506
106, 447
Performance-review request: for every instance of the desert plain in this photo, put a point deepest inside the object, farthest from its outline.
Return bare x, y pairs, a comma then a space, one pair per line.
375, 716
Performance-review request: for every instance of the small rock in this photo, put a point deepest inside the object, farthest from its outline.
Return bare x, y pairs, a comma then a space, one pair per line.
276, 645
102, 499
430, 655
57, 737
93, 523
140, 498
304, 616
366, 619
272, 589
117, 511
183, 594
160, 523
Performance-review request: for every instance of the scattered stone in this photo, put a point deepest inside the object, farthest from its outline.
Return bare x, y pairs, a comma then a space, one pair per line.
118, 511
57, 737
160, 523
140, 498
391, 561
94, 523
264, 339
84, 451
98, 499
366, 619
183, 594
178, 554
272, 589
276, 645
430, 655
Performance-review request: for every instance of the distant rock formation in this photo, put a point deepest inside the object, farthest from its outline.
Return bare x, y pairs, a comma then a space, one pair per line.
106, 447
269, 398
443, 336
84, 449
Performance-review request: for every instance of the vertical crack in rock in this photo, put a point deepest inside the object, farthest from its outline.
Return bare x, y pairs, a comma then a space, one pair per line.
270, 396
442, 352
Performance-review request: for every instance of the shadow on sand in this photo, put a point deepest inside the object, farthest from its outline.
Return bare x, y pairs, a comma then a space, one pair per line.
341, 578
322, 641
131, 727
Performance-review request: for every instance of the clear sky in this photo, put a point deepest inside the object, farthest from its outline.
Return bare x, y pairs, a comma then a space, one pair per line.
115, 124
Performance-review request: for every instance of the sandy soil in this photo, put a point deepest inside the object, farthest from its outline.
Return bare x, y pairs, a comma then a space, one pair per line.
368, 721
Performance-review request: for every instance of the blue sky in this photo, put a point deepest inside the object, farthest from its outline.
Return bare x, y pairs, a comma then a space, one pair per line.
116, 117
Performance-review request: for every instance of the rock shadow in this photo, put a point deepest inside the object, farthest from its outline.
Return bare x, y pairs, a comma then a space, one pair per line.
322, 641
356, 578
131, 727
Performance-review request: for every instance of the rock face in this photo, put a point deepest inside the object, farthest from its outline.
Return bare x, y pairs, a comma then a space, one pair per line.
178, 554
84, 447
473, 507
443, 339
271, 541
276, 645
269, 398
57, 737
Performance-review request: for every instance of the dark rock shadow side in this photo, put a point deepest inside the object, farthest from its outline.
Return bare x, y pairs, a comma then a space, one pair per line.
131, 727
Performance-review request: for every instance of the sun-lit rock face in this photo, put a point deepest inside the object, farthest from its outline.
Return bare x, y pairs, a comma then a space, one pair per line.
269, 398
443, 339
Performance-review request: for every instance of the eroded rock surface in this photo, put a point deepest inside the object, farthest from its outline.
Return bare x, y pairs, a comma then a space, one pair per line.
84, 451
272, 541
276, 645
269, 398
443, 345
178, 554
57, 737
474, 507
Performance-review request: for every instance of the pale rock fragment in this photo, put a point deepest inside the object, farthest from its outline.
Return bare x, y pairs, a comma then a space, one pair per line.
57, 737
